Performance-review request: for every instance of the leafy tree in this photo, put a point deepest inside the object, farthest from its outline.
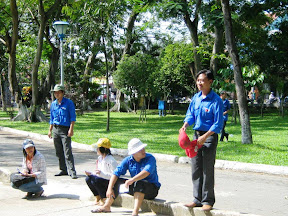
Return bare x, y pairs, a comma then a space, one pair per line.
188, 11
174, 77
134, 75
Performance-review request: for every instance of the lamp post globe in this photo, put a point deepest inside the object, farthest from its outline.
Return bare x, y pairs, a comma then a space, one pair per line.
61, 27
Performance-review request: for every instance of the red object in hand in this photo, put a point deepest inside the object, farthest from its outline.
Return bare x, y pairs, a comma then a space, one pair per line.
191, 148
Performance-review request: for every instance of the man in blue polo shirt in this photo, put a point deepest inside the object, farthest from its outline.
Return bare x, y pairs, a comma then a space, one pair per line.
143, 183
226, 108
62, 120
205, 112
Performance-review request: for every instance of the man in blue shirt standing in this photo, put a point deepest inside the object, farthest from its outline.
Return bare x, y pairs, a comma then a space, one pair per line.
205, 112
143, 183
226, 108
62, 120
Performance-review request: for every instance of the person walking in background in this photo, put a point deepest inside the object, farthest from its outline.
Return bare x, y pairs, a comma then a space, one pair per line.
105, 165
62, 120
143, 183
34, 165
205, 112
226, 108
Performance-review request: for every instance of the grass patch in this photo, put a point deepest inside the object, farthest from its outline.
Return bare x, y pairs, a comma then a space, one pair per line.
161, 134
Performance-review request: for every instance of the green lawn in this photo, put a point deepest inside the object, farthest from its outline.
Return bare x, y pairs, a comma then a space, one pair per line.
270, 145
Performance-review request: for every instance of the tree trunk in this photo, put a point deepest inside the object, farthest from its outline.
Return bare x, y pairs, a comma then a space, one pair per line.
240, 90
11, 43
128, 43
36, 63
50, 80
35, 112
3, 92
107, 87
193, 29
87, 72
218, 45
23, 113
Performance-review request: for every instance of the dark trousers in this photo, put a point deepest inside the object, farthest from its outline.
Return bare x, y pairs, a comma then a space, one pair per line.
97, 185
223, 133
63, 149
31, 187
203, 171
150, 190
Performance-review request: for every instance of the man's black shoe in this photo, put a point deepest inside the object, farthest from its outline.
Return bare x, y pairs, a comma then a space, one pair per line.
62, 173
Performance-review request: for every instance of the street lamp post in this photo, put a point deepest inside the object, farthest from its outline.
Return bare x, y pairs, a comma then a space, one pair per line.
61, 27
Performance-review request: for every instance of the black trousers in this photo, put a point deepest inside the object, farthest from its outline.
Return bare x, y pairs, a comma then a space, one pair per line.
223, 133
97, 185
203, 171
150, 190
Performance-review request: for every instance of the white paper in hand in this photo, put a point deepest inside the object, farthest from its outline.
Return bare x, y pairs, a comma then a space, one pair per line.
123, 189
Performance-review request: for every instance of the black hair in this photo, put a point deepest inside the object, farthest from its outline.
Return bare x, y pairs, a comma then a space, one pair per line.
25, 153
105, 151
208, 73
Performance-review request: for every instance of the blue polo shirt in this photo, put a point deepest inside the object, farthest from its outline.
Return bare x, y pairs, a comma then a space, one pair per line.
148, 164
226, 106
62, 114
205, 113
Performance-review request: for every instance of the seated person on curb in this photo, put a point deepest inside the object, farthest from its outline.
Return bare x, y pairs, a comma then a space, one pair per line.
105, 165
33, 165
143, 183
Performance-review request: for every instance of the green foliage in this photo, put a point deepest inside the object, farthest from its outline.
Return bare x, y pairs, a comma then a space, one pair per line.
174, 76
223, 81
94, 20
252, 75
134, 73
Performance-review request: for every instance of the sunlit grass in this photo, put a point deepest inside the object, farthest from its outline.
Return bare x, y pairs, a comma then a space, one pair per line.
270, 145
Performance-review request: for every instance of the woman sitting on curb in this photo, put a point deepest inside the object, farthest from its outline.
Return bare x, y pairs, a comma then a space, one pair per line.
33, 165
105, 165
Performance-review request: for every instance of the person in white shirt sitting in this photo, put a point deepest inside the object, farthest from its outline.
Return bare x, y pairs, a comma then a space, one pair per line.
105, 165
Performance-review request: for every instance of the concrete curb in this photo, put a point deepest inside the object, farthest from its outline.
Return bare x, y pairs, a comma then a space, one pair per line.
162, 207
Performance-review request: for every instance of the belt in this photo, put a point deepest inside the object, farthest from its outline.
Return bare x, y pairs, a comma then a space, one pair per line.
60, 126
200, 132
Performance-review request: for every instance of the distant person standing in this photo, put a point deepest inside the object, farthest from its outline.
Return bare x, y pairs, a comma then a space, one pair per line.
226, 108
205, 112
62, 120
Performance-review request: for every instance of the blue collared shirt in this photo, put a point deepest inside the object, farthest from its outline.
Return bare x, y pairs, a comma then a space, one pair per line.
226, 106
206, 114
148, 164
62, 114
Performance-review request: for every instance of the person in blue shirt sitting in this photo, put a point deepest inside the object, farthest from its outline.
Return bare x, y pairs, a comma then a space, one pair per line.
205, 112
143, 183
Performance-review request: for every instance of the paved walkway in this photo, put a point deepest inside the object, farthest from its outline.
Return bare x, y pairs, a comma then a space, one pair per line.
237, 192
